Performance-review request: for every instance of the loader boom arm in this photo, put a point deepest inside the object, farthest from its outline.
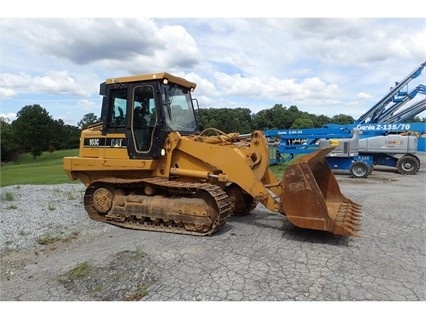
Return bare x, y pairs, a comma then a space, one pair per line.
308, 194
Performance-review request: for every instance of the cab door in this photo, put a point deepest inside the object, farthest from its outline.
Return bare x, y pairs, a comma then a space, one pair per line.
143, 134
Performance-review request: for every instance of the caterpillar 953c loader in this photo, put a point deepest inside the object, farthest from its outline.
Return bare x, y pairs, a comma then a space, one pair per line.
148, 166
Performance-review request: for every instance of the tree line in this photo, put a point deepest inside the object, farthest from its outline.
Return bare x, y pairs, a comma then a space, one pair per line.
241, 120
35, 131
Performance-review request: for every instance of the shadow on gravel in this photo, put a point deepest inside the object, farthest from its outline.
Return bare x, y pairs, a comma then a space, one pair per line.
294, 233
264, 220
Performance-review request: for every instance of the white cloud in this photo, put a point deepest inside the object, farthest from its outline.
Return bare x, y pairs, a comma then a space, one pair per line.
363, 95
53, 82
8, 117
133, 45
312, 89
6, 93
323, 65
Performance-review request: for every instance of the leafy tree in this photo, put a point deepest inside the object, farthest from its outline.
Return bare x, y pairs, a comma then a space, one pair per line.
88, 119
71, 137
319, 120
66, 136
34, 129
302, 122
276, 117
227, 120
416, 119
9, 147
342, 119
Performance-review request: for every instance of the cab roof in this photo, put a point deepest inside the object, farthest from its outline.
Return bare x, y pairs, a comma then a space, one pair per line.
153, 76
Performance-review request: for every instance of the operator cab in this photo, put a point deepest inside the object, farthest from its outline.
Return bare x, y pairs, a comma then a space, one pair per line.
146, 108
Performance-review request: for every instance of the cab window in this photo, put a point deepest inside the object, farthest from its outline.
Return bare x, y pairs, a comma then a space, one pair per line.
118, 102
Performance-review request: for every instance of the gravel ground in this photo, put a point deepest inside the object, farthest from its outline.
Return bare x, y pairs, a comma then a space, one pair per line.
45, 232
37, 214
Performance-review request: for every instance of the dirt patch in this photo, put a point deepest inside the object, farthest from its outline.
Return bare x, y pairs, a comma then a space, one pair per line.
126, 277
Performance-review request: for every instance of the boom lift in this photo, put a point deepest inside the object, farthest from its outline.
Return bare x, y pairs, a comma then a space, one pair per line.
384, 138
374, 114
345, 155
411, 111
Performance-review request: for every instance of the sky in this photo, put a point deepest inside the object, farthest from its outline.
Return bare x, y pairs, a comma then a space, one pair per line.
326, 64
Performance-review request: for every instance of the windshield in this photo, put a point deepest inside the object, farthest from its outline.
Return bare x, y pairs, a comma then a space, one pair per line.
178, 108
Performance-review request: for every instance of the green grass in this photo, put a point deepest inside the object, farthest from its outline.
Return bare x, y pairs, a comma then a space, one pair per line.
279, 169
80, 270
9, 196
48, 238
46, 169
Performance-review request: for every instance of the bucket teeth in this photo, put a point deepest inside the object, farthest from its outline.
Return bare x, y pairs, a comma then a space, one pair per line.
353, 227
348, 219
356, 218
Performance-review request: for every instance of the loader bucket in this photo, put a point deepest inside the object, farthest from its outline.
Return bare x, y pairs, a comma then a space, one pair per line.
311, 197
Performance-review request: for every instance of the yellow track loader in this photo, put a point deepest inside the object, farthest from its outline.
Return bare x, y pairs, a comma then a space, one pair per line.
147, 165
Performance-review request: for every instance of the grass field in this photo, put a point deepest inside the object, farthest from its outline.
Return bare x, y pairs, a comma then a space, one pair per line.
46, 169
